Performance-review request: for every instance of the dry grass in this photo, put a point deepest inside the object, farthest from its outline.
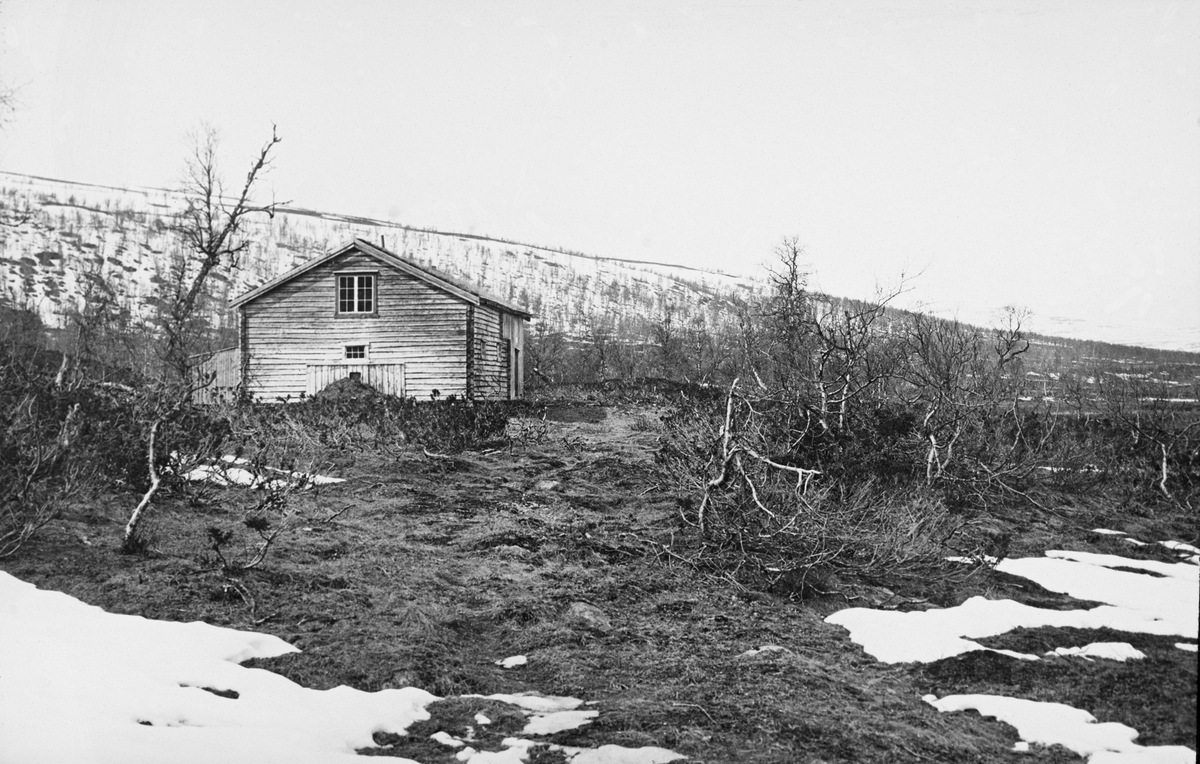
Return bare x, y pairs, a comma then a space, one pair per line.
437, 568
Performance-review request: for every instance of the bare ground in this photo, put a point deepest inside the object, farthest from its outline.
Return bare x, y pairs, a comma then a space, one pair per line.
551, 548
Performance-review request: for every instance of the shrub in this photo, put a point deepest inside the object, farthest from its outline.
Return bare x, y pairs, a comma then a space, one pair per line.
775, 509
41, 470
378, 423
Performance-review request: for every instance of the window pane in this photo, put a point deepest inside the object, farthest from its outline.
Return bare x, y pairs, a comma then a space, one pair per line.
366, 296
356, 351
356, 294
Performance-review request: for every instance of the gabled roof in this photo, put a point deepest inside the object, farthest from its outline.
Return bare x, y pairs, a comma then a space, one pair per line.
440, 281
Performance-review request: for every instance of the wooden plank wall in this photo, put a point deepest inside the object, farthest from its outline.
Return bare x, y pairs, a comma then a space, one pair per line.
512, 329
387, 378
224, 366
296, 326
491, 381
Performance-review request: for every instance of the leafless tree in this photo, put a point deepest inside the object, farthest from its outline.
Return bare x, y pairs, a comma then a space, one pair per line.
11, 218
547, 353
1161, 429
665, 335
963, 385
8, 102
828, 354
39, 429
211, 231
599, 345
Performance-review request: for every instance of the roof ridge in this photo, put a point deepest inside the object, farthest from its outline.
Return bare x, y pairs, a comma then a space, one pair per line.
431, 276
456, 281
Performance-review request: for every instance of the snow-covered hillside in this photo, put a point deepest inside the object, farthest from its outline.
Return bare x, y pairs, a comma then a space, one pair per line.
58, 239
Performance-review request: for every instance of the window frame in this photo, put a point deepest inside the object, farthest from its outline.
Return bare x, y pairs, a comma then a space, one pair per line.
337, 294
364, 358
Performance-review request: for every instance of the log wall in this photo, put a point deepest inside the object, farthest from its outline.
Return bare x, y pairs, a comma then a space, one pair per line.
296, 326
490, 367
512, 329
217, 377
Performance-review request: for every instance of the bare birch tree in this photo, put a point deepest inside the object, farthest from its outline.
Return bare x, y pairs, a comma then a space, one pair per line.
211, 230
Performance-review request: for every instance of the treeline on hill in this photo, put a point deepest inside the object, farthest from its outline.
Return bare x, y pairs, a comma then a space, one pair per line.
822, 440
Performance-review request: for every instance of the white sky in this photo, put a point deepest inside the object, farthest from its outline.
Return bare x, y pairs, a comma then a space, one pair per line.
1038, 153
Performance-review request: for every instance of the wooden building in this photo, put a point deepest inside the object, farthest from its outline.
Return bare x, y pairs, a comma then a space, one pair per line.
370, 314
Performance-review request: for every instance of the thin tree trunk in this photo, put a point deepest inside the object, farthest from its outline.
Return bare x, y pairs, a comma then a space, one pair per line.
930, 458
131, 528
1162, 484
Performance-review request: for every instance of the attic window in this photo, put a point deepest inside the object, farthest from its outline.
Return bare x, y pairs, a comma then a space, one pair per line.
356, 293
356, 351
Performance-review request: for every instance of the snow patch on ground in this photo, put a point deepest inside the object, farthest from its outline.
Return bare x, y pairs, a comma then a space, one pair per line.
1165, 603
82, 684
1187, 552
1179, 546
931, 635
1170, 569
542, 704
226, 472
548, 724
982, 559
1113, 651
512, 661
1073, 728
1144, 596
517, 751
129, 689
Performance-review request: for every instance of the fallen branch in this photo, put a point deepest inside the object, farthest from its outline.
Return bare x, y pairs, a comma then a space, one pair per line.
337, 514
803, 476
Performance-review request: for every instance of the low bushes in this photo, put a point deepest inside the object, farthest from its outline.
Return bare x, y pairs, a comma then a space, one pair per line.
788, 509
64, 435
373, 422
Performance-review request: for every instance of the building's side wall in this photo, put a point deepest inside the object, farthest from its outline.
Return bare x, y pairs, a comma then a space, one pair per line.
513, 329
217, 377
499, 346
490, 371
296, 325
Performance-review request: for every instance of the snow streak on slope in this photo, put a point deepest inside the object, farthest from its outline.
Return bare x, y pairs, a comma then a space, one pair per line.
59, 238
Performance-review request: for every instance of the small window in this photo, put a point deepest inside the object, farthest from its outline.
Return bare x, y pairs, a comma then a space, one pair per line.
356, 351
356, 293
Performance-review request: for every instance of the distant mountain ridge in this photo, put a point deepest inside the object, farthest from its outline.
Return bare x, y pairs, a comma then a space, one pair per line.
59, 237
